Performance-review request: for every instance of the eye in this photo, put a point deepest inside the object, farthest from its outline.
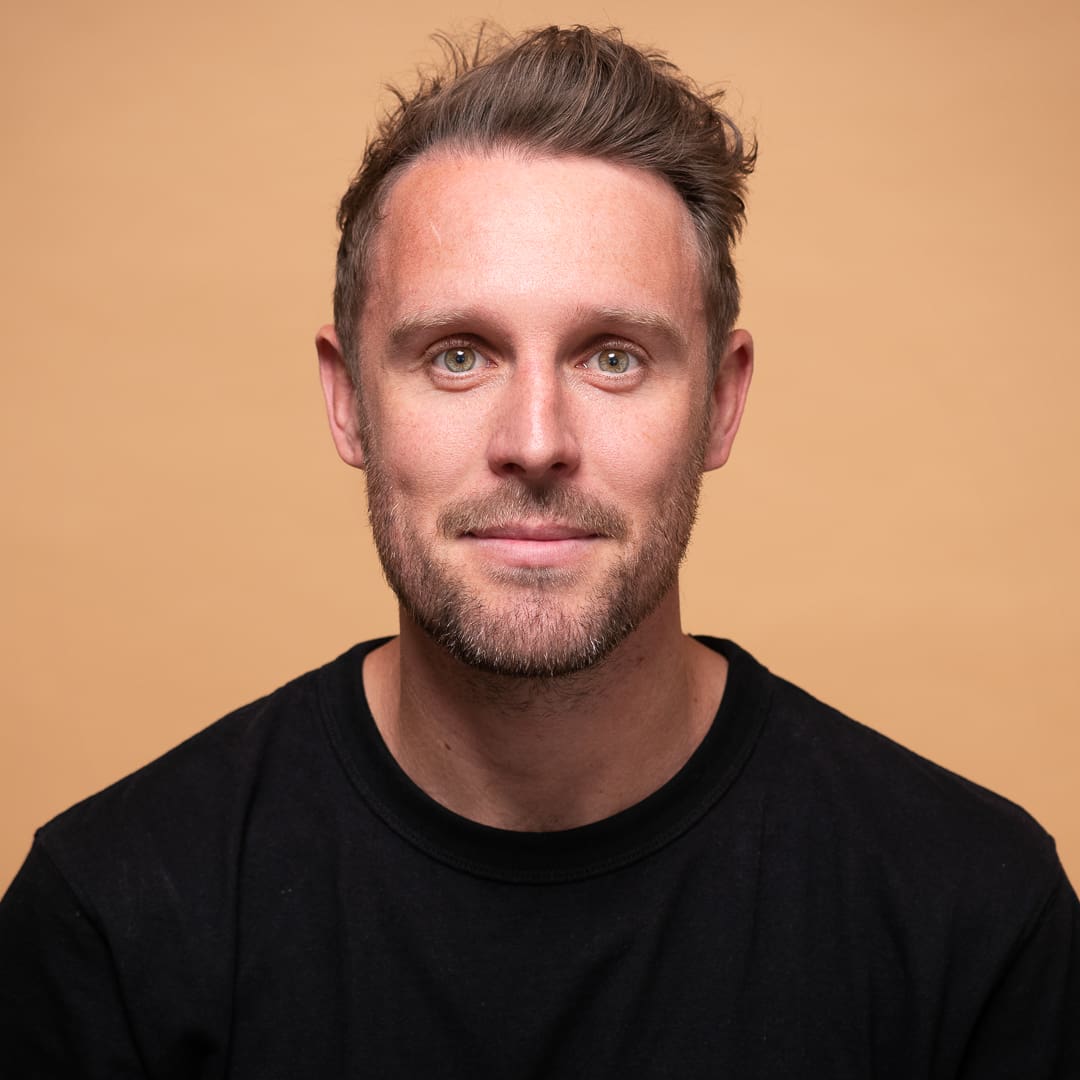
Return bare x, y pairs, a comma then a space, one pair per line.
458, 360
613, 361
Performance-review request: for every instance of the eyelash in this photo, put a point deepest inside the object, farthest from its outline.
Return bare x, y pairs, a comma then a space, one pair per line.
615, 345
449, 345
609, 345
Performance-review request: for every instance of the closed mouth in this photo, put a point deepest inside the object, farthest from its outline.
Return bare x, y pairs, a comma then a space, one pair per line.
534, 531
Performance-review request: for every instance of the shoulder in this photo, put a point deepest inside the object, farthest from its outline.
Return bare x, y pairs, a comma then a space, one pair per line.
851, 762
879, 870
891, 816
190, 808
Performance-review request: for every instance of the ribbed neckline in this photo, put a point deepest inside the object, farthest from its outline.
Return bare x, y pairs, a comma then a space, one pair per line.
533, 857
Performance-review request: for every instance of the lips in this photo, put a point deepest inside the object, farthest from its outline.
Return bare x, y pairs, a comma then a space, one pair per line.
519, 515
532, 546
535, 531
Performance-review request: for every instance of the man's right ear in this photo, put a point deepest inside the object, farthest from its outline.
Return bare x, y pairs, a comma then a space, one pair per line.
340, 396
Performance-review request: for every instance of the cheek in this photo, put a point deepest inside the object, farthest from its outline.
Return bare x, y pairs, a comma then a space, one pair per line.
650, 449
425, 448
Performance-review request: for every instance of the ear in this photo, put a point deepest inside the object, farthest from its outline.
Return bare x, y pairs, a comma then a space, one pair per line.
340, 396
729, 396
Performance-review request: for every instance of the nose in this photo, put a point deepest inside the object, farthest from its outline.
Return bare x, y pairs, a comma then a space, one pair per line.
533, 434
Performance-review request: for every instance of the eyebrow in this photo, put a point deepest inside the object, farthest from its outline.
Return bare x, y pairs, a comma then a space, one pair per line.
405, 328
654, 321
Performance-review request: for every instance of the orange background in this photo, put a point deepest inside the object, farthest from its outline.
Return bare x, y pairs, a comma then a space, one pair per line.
898, 530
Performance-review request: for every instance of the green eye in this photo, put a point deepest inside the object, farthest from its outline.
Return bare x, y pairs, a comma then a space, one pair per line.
457, 360
614, 361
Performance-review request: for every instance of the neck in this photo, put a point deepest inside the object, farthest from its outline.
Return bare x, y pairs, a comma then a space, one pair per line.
547, 753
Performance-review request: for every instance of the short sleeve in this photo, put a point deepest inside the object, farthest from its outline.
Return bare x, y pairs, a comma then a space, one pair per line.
61, 1011
1030, 1026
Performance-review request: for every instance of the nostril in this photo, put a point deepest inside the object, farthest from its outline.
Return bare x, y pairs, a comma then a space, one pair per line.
520, 469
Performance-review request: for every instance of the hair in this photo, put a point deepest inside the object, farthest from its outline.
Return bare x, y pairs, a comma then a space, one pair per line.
561, 92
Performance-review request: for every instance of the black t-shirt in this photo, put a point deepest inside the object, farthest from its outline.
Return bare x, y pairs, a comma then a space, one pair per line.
275, 899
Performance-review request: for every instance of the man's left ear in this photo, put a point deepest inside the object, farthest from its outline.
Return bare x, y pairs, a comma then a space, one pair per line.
728, 397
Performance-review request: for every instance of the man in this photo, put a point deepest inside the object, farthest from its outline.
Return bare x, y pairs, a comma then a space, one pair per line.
541, 832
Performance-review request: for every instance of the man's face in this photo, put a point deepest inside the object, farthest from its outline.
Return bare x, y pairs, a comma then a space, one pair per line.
535, 407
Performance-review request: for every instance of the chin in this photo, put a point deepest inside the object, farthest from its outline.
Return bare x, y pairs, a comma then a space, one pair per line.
535, 635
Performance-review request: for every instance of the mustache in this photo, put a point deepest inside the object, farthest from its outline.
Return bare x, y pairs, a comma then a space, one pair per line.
516, 502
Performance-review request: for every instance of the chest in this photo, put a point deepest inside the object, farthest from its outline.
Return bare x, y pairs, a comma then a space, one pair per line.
709, 959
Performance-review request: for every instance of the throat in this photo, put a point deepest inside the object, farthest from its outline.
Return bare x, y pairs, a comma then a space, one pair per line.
542, 755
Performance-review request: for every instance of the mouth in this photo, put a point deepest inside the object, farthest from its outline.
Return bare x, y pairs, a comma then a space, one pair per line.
534, 532
533, 545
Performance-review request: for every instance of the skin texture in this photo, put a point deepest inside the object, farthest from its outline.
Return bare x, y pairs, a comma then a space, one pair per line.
535, 418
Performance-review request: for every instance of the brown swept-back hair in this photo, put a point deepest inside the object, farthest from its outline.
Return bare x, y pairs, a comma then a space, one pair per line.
575, 91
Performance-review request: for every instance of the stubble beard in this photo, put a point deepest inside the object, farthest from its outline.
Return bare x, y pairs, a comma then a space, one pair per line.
526, 623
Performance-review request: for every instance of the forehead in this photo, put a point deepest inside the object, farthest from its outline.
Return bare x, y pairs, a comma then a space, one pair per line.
533, 237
